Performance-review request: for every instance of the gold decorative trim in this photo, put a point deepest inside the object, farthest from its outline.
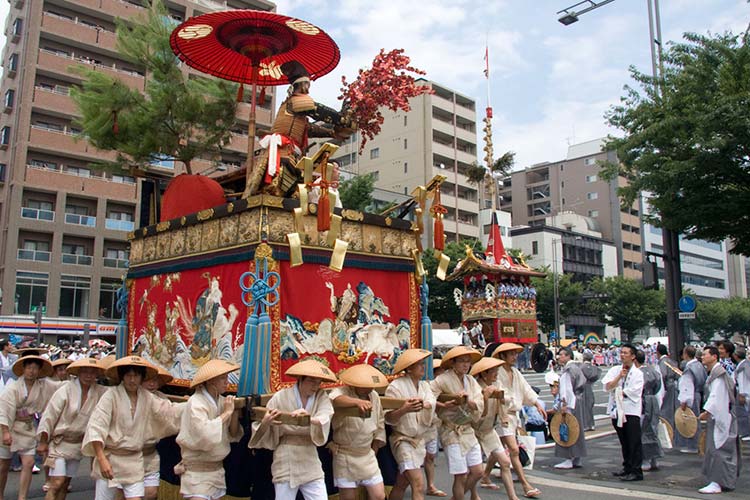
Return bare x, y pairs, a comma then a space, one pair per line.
196, 31
254, 201
230, 208
205, 214
388, 221
131, 235
183, 220
356, 215
264, 251
162, 226
273, 201
144, 231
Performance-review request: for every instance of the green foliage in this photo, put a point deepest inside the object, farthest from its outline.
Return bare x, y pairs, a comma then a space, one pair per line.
443, 308
691, 148
570, 295
476, 173
356, 193
724, 317
176, 116
625, 304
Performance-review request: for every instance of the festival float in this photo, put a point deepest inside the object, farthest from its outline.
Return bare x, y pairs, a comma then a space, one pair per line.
278, 273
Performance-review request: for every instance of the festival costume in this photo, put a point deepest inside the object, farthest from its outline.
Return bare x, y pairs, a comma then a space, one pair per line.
151, 460
484, 426
742, 382
518, 393
295, 456
651, 449
20, 410
669, 378
721, 456
690, 386
407, 440
624, 407
592, 374
572, 382
354, 459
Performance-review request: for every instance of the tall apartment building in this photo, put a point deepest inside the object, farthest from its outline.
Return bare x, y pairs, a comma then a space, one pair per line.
64, 226
575, 185
437, 136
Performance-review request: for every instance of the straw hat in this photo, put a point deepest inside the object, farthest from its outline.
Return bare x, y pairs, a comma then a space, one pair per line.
436, 363
311, 368
61, 362
363, 376
410, 357
45, 371
507, 347
76, 366
30, 351
485, 364
686, 422
107, 361
212, 369
574, 430
130, 361
164, 376
457, 352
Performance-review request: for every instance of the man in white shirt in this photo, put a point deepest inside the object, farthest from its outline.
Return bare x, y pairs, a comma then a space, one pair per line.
625, 386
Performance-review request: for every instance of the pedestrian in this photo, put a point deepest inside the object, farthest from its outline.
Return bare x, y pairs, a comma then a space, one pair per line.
151, 459
7, 358
60, 369
572, 383
410, 423
690, 395
518, 393
432, 445
21, 403
117, 429
650, 444
63, 425
592, 373
624, 383
456, 416
720, 459
485, 372
296, 466
726, 350
670, 374
742, 382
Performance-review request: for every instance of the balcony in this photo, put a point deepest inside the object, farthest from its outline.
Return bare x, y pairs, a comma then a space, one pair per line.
56, 141
36, 255
56, 101
77, 260
115, 263
36, 213
80, 220
58, 63
84, 32
239, 143
119, 225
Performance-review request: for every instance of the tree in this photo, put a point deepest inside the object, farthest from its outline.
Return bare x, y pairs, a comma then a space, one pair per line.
356, 193
176, 117
569, 295
443, 308
691, 148
625, 304
711, 317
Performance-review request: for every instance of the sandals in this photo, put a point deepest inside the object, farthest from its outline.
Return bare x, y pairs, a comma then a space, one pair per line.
436, 493
490, 485
533, 493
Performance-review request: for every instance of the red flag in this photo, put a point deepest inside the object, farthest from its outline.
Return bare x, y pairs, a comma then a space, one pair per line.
495, 242
487, 61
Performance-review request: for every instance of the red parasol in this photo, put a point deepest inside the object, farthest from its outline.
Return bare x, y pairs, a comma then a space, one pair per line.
249, 46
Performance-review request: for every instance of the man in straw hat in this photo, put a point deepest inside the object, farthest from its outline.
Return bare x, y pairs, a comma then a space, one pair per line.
518, 393
60, 370
485, 371
20, 406
690, 395
64, 423
296, 466
209, 423
456, 433
411, 422
721, 456
356, 439
572, 383
117, 429
625, 386
151, 461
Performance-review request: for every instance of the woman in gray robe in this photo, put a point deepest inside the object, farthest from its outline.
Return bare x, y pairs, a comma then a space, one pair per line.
571, 394
651, 448
592, 374
669, 377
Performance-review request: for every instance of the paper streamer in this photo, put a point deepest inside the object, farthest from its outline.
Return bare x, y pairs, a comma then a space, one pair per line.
442, 269
335, 230
295, 249
338, 255
303, 202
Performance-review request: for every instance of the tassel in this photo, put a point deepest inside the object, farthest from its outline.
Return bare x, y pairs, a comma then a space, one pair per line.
439, 231
240, 93
324, 210
115, 125
262, 97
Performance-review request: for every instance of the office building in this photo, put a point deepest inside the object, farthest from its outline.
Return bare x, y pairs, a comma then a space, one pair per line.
64, 224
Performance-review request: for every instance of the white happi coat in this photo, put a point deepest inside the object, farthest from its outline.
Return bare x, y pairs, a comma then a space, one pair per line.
407, 440
123, 433
151, 461
295, 457
204, 443
484, 427
518, 393
65, 419
20, 410
453, 429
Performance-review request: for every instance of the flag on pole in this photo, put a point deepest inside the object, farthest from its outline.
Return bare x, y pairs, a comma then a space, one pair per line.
486, 61
495, 246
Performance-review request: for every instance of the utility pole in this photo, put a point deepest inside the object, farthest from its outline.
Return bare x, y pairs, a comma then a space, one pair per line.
38, 321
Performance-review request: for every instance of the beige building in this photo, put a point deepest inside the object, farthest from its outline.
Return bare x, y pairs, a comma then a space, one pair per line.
437, 136
64, 225
575, 185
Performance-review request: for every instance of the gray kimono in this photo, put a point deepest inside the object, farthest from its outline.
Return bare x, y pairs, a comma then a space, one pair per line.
571, 390
651, 448
691, 385
742, 382
592, 374
669, 380
720, 463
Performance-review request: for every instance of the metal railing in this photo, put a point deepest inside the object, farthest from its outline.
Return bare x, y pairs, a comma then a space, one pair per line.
77, 260
37, 255
119, 225
117, 263
37, 213
80, 220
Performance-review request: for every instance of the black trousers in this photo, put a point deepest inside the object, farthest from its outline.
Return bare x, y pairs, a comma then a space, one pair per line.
630, 442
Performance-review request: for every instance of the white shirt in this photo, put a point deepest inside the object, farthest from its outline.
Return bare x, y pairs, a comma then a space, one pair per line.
632, 390
566, 390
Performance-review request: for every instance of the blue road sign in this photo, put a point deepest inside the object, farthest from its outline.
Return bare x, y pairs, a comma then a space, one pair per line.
687, 304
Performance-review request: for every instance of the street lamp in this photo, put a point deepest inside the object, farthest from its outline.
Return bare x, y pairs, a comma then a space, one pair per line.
556, 287
569, 16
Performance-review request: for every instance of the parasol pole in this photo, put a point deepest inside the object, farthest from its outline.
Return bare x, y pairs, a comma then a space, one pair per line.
251, 130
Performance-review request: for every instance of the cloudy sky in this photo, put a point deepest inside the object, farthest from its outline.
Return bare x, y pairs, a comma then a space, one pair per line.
550, 84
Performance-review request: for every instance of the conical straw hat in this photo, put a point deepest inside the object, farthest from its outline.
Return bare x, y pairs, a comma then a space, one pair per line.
485, 364
107, 361
212, 369
76, 366
409, 357
30, 351
312, 368
130, 361
163, 375
363, 376
457, 352
436, 363
686, 422
506, 347
61, 361
45, 371
574, 429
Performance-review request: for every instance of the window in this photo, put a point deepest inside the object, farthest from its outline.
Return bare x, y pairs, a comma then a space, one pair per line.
375, 175
589, 161
5, 137
3, 167
49, 165
34, 250
405, 117
594, 213
79, 171
406, 144
162, 161
591, 178
10, 95
75, 254
374, 153
406, 168
534, 248
592, 196
17, 29
74, 296
13, 64
108, 298
31, 289
119, 221
116, 257
123, 179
